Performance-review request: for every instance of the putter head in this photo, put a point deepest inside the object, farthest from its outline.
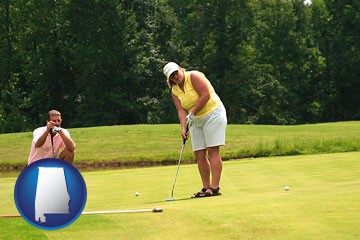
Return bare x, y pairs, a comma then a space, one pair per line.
169, 199
157, 209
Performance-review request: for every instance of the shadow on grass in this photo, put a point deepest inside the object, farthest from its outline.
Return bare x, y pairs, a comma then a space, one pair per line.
176, 199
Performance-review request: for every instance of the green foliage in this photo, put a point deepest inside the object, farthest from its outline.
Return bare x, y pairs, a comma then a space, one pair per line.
14, 121
343, 55
100, 62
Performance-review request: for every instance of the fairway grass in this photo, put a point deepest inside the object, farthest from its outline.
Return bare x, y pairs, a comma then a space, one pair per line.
323, 202
159, 144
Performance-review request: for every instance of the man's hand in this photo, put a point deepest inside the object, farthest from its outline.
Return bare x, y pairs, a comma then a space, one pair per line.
50, 125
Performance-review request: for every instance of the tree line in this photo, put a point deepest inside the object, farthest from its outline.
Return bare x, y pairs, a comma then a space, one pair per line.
100, 61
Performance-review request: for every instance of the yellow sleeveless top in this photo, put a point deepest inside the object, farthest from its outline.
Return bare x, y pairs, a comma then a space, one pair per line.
189, 96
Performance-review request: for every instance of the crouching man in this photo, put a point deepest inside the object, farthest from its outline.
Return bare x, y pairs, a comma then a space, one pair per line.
52, 141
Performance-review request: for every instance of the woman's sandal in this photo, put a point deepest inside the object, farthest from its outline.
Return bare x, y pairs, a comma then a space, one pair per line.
212, 192
201, 193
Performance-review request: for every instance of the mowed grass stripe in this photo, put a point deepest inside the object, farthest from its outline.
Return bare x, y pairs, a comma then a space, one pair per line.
161, 143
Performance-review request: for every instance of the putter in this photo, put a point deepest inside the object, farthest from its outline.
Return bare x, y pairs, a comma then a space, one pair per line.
10, 215
154, 210
177, 169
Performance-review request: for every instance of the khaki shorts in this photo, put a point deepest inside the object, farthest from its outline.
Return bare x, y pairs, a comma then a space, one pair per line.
209, 130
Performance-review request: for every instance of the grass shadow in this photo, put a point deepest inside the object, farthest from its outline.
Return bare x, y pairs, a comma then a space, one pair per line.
176, 199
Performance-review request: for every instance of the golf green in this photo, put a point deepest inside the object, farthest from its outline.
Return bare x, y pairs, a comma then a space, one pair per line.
322, 202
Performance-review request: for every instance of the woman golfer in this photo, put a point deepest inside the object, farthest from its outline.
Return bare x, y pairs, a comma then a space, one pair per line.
200, 108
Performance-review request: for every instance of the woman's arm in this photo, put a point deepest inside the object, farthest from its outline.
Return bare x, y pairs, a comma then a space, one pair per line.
199, 83
181, 114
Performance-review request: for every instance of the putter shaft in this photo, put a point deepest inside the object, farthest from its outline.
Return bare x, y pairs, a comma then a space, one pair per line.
154, 210
178, 166
177, 171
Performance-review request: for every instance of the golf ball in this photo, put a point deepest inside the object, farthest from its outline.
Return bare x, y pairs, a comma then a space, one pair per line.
286, 188
137, 194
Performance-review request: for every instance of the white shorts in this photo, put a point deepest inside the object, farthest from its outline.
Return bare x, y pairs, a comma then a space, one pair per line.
209, 130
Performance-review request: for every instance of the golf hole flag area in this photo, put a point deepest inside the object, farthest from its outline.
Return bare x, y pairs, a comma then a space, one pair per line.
322, 202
